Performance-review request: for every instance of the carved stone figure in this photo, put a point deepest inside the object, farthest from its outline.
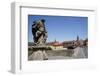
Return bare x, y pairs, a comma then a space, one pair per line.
39, 32
39, 36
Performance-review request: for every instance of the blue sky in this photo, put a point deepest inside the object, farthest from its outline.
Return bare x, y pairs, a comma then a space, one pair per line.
61, 28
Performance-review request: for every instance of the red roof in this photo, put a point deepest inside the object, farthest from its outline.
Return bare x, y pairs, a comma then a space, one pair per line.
57, 44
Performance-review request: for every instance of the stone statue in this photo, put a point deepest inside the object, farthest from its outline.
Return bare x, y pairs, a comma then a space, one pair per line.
39, 32
39, 36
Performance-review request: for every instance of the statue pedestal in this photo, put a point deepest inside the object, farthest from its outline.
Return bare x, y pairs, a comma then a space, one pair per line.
39, 53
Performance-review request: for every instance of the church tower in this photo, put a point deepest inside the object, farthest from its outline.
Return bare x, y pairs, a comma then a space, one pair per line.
77, 38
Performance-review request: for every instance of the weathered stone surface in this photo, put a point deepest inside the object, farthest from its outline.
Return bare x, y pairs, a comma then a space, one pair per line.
79, 52
38, 55
45, 56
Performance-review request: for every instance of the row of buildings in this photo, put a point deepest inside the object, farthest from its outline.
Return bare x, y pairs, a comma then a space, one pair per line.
68, 44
